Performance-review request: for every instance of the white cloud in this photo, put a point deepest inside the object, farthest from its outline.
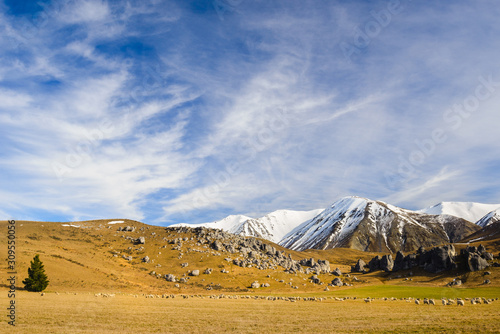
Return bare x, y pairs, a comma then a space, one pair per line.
267, 91
85, 11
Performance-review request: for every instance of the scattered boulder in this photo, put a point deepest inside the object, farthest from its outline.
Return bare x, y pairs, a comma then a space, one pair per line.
145, 259
217, 245
255, 285
487, 281
337, 272
266, 285
455, 282
195, 272
314, 279
208, 271
140, 241
337, 282
359, 267
170, 278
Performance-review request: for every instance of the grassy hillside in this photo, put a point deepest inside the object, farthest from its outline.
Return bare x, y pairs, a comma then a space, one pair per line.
89, 257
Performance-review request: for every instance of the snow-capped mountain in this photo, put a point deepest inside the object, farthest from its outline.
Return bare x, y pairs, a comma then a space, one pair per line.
466, 210
367, 225
273, 226
489, 219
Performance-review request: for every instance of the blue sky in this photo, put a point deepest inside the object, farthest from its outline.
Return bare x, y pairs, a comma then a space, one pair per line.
188, 111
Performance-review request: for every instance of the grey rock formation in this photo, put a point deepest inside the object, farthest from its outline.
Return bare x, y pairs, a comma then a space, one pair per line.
337, 282
475, 258
359, 267
475, 262
488, 256
374, 263
440, 259
170, 278
314, 279
386, 263
399, 262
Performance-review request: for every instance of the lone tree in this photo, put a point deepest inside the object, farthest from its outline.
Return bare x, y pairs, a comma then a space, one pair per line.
37, 280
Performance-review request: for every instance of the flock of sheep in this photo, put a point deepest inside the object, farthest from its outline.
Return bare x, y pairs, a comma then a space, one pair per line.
418, 301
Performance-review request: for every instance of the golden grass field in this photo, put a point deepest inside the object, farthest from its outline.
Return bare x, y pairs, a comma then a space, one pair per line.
85, 313
80, 263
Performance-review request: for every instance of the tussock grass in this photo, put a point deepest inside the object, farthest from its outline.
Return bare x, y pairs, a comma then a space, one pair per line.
84, 313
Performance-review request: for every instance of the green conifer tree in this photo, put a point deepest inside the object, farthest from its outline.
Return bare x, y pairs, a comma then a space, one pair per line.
37, 280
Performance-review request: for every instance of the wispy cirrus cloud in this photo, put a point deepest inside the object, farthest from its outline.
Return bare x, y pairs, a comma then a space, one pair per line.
167, 112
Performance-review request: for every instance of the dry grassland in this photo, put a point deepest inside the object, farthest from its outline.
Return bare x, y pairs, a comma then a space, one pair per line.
85, 313
89, 259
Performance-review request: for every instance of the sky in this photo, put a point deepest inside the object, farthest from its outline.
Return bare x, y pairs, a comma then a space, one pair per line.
190, 111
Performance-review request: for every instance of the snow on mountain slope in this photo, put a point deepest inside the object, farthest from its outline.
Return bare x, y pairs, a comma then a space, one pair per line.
225, 224
273, 226
490, 218
348, 212
276, 225
466, 210
368, 225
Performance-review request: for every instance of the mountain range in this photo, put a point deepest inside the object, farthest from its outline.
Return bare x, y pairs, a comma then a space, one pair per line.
364, 224
273, 226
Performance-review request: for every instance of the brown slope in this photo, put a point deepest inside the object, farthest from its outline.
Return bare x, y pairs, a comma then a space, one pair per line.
488, 233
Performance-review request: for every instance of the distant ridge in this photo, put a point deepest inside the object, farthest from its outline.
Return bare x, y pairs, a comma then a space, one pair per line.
490, 218
466, 210
273, 226
364, 224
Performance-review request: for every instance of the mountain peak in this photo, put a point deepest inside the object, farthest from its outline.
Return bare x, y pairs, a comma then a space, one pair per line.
490, 218
368, 225
466, 210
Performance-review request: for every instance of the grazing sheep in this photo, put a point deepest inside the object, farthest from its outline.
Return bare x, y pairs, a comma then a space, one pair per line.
431, 302
443, 301
460, 303
417, 302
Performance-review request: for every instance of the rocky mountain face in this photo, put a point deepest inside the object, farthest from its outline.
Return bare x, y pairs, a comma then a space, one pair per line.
489, 219
367, 225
